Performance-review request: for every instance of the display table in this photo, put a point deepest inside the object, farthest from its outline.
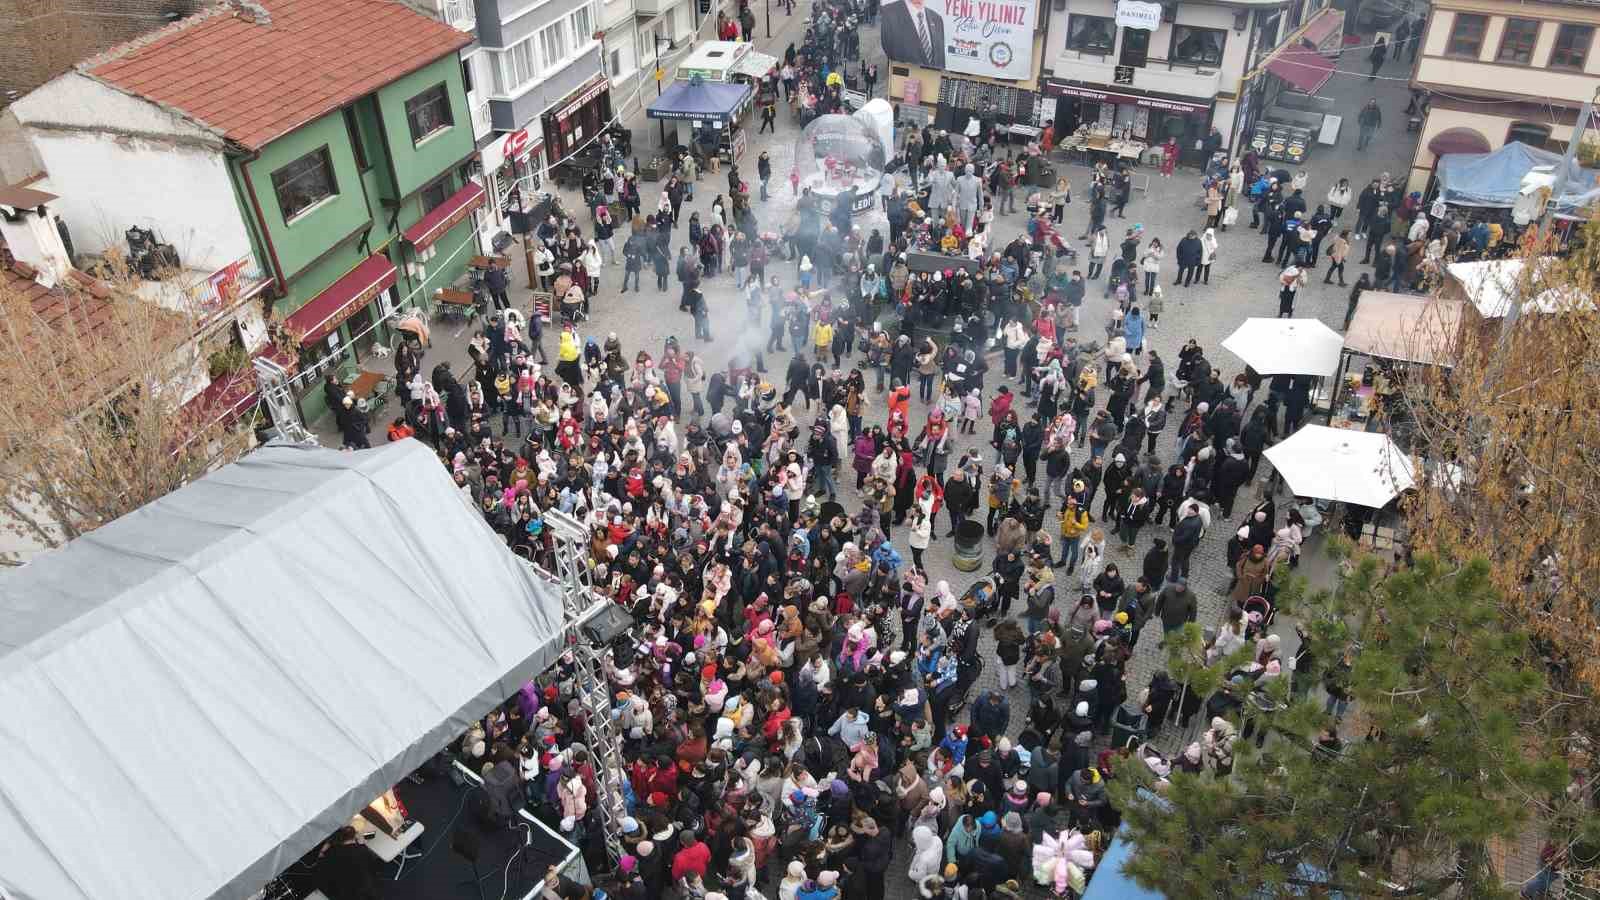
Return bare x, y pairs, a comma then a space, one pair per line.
364, 384
390, 849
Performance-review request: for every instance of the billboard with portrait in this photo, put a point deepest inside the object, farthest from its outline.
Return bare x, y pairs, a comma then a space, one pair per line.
973, 37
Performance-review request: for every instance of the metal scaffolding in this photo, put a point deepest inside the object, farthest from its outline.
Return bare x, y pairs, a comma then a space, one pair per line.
579, 605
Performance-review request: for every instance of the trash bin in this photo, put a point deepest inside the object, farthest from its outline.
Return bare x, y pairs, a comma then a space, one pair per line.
969, 546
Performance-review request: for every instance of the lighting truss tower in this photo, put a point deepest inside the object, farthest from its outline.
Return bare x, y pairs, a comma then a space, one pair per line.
579, 605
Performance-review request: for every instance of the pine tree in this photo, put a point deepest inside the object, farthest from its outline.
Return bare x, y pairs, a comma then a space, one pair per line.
1438, 759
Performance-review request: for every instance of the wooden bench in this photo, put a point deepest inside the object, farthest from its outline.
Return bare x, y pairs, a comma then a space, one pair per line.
454, 297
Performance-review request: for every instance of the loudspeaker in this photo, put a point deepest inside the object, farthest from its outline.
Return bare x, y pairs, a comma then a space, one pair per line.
465, 842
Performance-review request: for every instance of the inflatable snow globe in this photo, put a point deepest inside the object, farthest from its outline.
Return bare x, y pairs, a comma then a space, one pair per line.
841, 159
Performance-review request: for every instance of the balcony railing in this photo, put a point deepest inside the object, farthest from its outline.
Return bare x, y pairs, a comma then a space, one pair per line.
460, 14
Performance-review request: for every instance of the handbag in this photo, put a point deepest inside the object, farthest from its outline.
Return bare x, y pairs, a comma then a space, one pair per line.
1230, 215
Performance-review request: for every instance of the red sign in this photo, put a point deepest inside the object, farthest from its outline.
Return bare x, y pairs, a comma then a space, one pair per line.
516, 142
588, 92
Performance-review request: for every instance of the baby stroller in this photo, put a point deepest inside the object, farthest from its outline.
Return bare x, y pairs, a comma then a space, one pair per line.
1129, 725
984, 596
1258, 614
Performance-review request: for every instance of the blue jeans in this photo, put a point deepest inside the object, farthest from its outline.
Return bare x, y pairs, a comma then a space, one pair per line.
825, 481
1069, 552
1336, 707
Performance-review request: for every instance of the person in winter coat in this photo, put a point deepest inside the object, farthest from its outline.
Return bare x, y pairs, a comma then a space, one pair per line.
1190, 257
1176, 606
927, 859
1208, 254
1233, 470
1156, 560
1252, 572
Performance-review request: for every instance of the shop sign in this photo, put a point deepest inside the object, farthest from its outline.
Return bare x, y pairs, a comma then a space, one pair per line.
1137, 14
1098, 96
590, 91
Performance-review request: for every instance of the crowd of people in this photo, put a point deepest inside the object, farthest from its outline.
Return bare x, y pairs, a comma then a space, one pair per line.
794, 698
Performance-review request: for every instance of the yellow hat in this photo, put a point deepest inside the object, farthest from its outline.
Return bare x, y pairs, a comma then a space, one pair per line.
1122, 618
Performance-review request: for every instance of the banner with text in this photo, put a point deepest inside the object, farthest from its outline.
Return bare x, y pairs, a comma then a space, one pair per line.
974, 37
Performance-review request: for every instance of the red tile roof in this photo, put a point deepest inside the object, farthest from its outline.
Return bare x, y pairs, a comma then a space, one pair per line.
255, 80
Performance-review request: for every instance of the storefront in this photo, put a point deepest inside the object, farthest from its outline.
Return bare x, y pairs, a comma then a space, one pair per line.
573, 121
338, 326
503, 174
1142, 115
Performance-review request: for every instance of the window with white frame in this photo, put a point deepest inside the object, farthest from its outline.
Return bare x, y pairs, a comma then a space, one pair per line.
582, 26
553, 44
515, 68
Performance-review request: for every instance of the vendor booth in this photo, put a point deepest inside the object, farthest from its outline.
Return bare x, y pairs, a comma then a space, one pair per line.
707, 114
1495, 179
1492, 285
216, 683
727, 62
1388, 333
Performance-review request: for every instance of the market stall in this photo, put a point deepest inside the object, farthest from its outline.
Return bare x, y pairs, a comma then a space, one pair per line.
1388, 334
1493, 285
707, 114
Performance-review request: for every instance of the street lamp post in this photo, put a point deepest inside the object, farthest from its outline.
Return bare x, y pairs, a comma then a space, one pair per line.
768, 4
658, 73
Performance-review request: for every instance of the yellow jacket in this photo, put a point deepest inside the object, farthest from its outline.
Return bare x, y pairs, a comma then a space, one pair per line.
569, 347
1073, 527
822, 335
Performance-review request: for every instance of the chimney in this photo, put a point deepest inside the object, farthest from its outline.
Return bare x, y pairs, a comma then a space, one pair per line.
31, 235
251, 11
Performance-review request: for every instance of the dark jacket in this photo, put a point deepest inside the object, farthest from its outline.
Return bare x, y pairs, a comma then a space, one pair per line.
1190, 252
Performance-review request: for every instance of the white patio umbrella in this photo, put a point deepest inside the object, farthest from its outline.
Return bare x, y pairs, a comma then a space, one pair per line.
1360, 467
1287, 346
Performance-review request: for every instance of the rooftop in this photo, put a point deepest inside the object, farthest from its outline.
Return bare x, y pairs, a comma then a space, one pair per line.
255, 70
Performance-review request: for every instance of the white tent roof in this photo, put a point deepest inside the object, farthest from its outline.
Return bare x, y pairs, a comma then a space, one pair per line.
1360, 467
1287, 346
1493, 284
196, 694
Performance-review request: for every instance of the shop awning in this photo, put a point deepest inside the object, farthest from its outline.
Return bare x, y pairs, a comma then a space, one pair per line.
707, 100
220, 679
224, 399
755, 64
1458, 140
1306, 70
1326, 31
446, 216
328, 310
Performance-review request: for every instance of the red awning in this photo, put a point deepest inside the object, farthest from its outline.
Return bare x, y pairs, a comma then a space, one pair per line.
1306, 70
445, 216
326, 311
1323, 28
225, 399
1458, 140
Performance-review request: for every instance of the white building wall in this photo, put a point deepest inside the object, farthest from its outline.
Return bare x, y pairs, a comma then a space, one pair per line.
116, 162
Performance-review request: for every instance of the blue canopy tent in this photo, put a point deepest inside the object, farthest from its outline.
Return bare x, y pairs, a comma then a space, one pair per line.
700, 100
1493, 179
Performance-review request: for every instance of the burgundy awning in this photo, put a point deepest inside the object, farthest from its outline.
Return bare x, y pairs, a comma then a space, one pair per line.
225, 399
1323, 28
326, 311
1306, 70
1458, 140
445, 216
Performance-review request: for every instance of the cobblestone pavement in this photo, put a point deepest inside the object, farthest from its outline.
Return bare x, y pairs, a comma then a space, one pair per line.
1241, 286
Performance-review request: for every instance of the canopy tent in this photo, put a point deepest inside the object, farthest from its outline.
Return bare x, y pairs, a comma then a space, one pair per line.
1492, 285
755, 64
1360, 467
705, 100
1406, 328
201, 691
1493, 179
1286, 346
